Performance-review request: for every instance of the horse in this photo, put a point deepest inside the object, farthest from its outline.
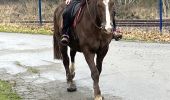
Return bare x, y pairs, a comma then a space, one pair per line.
91, 36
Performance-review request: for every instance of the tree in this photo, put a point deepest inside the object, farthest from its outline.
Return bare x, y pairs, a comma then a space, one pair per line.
125, 2
165, 7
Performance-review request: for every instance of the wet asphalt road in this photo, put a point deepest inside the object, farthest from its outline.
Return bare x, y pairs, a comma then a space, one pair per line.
131, 70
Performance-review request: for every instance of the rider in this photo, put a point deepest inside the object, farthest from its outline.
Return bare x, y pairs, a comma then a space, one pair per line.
67, 20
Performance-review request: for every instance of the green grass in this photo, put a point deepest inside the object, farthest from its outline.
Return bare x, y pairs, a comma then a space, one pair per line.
46, 30
6, 92
33, 70
29, 69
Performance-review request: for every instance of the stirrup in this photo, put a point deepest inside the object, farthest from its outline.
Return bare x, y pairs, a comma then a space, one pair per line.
65, 36
65, 40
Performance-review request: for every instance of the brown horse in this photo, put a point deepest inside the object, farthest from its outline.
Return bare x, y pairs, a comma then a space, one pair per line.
91, 36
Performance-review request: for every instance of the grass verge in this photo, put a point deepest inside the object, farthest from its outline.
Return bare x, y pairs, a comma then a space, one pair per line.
6, 92
129, 33
146, 34
46, 30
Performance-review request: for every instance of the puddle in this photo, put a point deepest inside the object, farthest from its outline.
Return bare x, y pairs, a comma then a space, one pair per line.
53, 75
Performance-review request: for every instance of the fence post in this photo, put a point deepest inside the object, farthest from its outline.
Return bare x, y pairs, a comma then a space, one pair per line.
160, 15
40, 11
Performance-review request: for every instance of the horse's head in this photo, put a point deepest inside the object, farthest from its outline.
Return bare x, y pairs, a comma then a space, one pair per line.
105, 15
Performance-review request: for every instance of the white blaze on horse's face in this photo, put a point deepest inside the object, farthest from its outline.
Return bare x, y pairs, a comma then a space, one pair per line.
108, 26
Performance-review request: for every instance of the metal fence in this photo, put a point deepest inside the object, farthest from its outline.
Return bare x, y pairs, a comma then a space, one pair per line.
26, 11
21, 10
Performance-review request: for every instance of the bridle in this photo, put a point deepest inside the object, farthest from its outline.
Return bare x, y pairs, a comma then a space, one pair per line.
100, 28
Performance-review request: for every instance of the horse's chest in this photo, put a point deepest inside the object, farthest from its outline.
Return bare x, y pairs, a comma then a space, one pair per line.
74, 44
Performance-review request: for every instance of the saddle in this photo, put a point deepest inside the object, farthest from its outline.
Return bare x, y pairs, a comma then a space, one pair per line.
76, 7
76, 12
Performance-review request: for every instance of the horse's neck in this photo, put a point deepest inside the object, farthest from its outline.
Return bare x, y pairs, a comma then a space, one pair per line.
90, 12
88, 25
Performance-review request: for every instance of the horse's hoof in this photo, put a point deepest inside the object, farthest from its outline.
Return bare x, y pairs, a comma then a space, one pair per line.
99, 97
72, 87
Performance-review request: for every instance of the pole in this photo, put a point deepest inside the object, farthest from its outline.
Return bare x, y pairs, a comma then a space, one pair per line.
40, 12
160, 15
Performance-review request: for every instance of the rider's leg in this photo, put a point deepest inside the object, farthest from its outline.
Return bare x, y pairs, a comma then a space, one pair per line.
66, 24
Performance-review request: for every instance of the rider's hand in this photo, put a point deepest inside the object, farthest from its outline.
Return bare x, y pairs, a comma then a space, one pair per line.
67, 2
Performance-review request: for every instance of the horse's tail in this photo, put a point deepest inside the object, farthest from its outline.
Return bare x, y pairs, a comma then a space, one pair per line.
56, 44
56, 48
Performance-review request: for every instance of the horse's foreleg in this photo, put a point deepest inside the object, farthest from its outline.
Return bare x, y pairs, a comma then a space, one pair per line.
71, 85
100, 56
94, 73
72, 66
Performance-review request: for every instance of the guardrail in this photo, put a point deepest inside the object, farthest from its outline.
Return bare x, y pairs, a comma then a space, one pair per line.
120, 23
143, 23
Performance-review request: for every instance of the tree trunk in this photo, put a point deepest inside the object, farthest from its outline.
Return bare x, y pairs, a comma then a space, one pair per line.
165, 7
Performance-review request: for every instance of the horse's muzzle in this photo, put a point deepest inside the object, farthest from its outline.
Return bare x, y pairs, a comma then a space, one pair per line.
109, 30
106, 30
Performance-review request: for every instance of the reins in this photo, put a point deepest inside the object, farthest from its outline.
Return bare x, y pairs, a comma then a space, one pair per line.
91, 16
100, 28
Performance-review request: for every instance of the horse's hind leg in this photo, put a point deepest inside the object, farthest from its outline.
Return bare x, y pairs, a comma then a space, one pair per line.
69, 76
89, 56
